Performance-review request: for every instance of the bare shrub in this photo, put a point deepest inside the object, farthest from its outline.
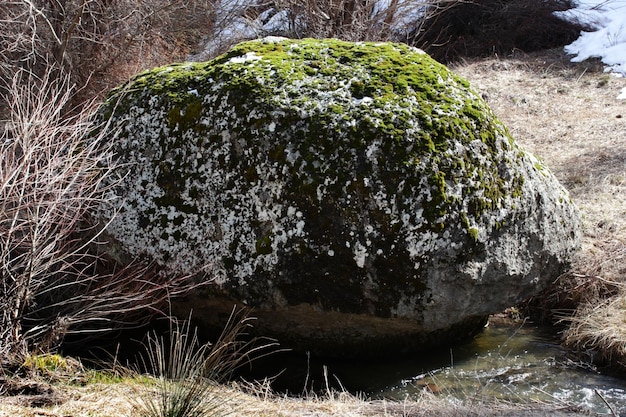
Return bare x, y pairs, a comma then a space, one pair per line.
51, 181
447, 29
478, 28
351, 20
53, 283
99, 42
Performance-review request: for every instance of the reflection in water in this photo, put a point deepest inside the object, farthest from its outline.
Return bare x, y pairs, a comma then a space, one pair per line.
517, 364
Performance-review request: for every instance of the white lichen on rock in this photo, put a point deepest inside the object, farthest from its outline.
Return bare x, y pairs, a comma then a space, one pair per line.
299, 169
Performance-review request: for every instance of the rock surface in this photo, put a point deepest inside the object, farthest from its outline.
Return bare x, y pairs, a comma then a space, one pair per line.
359, 196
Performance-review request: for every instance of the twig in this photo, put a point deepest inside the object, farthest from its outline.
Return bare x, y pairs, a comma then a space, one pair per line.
613, 413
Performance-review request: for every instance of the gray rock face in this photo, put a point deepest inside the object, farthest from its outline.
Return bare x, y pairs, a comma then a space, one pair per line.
359, 196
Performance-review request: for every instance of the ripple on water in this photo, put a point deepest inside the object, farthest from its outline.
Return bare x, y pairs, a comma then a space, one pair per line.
521, 364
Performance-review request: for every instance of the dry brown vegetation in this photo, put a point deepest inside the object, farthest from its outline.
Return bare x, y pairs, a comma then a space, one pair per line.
106, 399
97, 43
446, 29
56, 57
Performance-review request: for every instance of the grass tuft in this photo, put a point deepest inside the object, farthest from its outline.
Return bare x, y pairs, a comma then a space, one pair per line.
46, 362
598, 331
188, 373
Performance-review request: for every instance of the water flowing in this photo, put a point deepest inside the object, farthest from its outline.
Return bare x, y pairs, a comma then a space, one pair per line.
515, 363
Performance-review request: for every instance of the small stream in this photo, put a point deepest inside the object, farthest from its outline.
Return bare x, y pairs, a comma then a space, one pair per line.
513, 363
516, 363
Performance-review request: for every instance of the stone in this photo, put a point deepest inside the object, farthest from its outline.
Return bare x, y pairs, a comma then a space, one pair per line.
360, 198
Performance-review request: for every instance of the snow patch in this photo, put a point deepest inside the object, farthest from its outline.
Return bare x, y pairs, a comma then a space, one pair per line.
608, 40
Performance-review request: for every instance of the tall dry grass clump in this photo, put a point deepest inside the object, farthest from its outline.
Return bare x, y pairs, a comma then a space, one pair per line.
598, 331
189, 372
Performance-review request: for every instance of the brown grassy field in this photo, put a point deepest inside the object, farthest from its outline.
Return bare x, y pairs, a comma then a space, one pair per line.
566, 114
118, 399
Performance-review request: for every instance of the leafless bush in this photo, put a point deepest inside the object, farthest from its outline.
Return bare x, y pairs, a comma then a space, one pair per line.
98, 42
51, 176
345, 19
352, 20
447, 29
53, 283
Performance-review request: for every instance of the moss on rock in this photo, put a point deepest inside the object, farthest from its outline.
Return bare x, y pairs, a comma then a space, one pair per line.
340, 175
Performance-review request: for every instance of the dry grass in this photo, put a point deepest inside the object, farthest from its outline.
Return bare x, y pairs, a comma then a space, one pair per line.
104, 400
187, 373
599, 331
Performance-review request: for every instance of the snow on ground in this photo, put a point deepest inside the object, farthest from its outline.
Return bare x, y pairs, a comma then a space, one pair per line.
607, 41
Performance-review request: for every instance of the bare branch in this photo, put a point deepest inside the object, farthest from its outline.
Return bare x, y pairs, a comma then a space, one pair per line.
52, 171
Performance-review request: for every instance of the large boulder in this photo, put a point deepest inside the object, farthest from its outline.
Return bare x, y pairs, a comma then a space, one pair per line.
359, 196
